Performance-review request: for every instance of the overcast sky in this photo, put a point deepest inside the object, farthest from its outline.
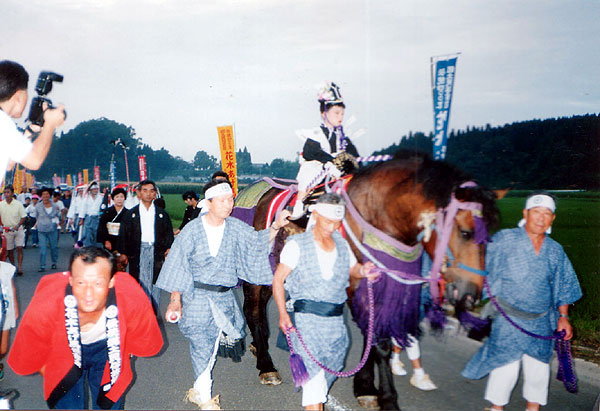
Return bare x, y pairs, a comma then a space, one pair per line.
174, 70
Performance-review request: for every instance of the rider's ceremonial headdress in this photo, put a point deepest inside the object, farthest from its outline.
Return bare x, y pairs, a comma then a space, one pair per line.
330, 94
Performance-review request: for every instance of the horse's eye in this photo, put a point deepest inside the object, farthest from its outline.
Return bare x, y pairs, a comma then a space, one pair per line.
466, 235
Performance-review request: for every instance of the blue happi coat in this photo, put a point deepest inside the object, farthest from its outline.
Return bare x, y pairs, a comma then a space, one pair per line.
528, 282
326, 337
243, 254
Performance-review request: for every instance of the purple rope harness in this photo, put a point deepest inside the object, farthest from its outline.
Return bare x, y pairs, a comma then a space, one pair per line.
299, 372
565, 372
275, 184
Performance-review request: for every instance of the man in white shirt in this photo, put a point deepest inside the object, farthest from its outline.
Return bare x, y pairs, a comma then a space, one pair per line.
23, 196
145, 237
13, 99
31, 220
91, 215
12, 215
63, 211
75, 210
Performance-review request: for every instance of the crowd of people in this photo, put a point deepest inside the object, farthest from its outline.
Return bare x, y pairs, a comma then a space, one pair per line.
83, 325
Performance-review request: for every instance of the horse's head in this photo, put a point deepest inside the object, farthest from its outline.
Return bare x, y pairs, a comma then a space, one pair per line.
472, 211
409, 195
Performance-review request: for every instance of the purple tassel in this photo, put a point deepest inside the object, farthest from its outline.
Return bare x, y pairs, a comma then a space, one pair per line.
471, 322
565, 372
481, 233
299, 373
436, 317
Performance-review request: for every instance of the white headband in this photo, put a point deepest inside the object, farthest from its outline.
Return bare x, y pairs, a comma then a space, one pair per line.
541, 200
330, 211
218, 190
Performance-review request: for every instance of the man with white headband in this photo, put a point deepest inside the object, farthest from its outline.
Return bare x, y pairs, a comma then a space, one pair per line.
533, 281
208, 258
314, 268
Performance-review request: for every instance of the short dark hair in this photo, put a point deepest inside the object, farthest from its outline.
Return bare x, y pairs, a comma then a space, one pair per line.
9, 187
49, 190
220, 174
214, 182
13, 77
323, 106
191, 195
331, 198
146, 182
90, 254
118, 191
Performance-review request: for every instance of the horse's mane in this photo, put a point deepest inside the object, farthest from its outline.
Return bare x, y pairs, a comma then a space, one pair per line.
439, 180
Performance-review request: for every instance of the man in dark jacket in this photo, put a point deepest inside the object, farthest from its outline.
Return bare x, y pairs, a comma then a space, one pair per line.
191, 211
145, 237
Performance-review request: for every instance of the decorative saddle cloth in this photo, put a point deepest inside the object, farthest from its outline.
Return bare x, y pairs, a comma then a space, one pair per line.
247, 200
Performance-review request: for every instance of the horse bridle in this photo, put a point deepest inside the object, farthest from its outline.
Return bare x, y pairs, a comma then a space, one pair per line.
444, 224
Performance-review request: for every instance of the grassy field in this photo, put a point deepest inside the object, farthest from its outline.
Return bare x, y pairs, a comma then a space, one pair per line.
175, 208
576, 228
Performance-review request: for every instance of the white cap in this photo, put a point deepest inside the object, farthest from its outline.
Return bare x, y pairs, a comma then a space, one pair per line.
541, 200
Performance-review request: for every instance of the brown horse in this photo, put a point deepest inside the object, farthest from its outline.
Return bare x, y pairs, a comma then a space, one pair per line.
400, 199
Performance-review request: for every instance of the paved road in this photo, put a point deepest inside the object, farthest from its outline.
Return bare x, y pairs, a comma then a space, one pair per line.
161, 381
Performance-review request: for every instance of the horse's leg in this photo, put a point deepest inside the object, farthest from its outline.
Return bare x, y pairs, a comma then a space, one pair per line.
364, 383
256, 298
387, 396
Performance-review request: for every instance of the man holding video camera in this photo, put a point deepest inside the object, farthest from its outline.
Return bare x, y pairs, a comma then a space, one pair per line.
14, 146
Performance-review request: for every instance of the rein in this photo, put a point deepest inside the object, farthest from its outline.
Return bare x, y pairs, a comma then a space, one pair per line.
300, 375
563, 347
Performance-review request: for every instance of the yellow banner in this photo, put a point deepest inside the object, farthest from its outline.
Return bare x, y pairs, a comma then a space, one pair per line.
85, 175
29, 180
227, 145
69, 180
17, 181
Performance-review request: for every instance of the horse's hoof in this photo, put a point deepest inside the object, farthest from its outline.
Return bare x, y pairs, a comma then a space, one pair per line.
270, 378
368, 402
252, 349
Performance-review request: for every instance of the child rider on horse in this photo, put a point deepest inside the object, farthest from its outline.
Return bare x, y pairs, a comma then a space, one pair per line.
324, 146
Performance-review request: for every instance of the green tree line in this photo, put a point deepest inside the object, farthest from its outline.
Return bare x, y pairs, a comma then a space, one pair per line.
552, 153
562, 153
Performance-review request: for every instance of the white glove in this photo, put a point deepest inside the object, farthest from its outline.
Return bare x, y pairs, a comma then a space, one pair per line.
333, 170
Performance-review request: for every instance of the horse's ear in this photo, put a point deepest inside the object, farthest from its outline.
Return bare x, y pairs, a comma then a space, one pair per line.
500, 193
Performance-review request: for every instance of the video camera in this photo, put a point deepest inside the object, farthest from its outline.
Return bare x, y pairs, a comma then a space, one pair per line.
42, 88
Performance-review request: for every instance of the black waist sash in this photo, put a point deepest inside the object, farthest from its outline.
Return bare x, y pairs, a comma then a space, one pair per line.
318, 308
210, 287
